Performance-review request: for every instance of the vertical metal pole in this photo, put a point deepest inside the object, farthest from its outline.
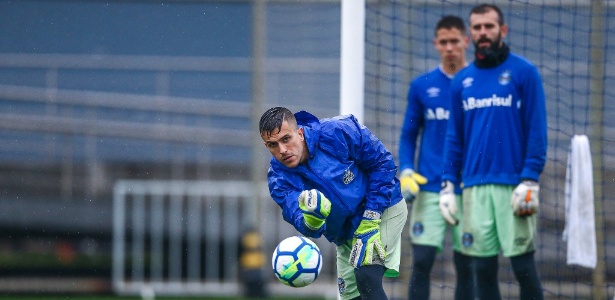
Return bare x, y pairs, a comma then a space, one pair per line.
213, 232
230, 272
138, 237
597, 112
352, 58
67, 168
119, 235
157, 222
194, 235
259, 38
175, 231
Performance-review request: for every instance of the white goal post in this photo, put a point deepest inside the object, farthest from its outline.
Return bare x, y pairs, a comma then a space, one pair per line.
352, 58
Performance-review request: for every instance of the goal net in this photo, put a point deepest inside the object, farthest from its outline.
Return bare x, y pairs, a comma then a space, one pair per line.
568, 41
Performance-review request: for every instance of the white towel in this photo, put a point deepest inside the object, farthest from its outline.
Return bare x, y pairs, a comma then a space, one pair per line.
580, 228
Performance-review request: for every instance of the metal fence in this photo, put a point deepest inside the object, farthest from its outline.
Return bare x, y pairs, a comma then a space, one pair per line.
181, 238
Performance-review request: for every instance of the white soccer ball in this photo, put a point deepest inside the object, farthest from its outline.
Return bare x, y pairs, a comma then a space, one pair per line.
296, 261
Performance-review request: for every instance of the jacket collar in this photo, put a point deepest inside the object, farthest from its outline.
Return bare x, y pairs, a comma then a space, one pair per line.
311, 129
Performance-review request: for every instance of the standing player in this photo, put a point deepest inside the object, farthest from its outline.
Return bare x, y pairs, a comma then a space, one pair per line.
497, 140
333, 177
428, 109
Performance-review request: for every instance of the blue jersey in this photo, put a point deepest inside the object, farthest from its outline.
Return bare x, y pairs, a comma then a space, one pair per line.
427, 109
348, 164
497, 132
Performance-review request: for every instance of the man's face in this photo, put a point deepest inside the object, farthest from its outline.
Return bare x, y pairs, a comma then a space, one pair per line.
485, 30
451, 44
287, 145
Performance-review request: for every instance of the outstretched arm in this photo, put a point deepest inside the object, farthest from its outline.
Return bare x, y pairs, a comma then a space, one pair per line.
287, 196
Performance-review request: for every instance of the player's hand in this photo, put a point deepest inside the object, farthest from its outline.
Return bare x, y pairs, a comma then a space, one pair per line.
316, 208
448, 203
524, 199
410, 182
367, 239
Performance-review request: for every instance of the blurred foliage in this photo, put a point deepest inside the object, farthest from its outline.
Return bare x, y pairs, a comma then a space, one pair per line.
52, 260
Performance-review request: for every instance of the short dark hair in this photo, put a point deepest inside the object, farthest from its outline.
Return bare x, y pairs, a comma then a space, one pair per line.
273, 118
449, 22
485, 8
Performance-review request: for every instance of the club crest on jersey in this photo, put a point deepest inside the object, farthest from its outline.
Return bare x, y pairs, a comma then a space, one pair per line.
348, 176
504, 78
467, 239
433, 92
417, 228
467, 82
520, 241
341, 285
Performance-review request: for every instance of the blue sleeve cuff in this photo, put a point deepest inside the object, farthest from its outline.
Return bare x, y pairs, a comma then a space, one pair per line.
529, 174
450, 178
308, 232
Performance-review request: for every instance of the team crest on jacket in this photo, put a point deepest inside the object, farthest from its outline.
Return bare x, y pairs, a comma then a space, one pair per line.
348, 176
504, 78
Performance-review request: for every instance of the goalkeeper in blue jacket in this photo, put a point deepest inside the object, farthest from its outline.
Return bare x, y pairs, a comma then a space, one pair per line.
333, 177
427, 112
497, 140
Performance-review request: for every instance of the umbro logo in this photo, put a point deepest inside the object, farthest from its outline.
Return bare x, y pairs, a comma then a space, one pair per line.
467, 82
433, 92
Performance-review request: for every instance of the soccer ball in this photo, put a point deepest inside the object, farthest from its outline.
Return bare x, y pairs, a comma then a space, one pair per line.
296, 261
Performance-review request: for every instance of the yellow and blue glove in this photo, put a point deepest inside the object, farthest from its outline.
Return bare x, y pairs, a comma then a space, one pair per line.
524, 199
315, 207
366, 243
410, 181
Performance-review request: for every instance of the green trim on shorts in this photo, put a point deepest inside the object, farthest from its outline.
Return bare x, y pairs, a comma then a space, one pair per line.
489, 224
427, 226
391, 228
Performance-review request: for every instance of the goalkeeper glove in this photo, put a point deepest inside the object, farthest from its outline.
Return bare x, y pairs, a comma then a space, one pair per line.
524, 199
448, 203
410, 181
367, 239
315, 207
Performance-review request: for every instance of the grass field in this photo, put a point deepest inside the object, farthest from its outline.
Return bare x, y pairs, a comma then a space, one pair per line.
94, 297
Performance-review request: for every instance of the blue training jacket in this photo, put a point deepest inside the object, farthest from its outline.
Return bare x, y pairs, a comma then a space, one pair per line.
348, 164
429, 100
497, 132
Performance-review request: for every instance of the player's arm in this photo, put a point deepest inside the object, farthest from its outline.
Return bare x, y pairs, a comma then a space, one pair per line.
413, 121
453, 146
372, 156
288, 197
368, 152
535, 125
525, 197
454, 141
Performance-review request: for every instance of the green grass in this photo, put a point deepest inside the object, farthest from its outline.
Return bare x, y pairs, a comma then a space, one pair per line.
94, 297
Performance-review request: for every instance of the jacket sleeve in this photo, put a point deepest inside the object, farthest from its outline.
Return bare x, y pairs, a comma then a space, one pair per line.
413, 120
285, 195
535, 125
379, 165
454, 139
